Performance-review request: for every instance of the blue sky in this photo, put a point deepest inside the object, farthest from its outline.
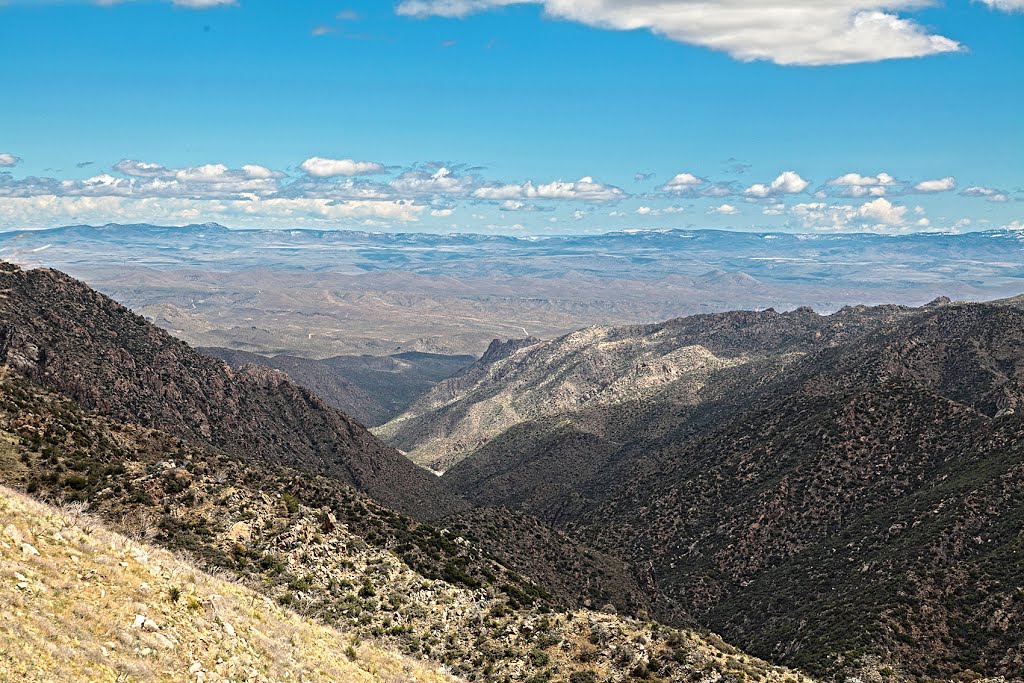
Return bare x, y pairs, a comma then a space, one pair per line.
553, 116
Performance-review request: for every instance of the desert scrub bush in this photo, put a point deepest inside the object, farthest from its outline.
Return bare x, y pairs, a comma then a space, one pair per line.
291, 503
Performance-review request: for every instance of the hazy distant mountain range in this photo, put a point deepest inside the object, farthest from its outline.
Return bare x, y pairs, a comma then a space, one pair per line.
325, 293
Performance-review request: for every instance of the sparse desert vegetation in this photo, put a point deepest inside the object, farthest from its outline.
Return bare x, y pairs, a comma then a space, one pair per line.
82, 603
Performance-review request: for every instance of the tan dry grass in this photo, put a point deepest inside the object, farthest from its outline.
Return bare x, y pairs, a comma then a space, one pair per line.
93, 605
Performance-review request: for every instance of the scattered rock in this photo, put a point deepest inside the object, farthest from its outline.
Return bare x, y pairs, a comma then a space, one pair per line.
240, 532
12, 532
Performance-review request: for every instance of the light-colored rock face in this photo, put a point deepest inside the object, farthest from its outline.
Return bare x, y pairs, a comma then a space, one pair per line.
598, 366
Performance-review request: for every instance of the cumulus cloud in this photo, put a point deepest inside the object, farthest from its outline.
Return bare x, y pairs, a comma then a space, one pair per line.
585, 189
682, 182
879, 215
320, 167
940, 185
724, 210
664, 211
857, 185
788, 182
797, 32
883, 211
987, 193
7, 160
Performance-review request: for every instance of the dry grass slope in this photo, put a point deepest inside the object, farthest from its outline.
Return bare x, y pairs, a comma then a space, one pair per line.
82, 603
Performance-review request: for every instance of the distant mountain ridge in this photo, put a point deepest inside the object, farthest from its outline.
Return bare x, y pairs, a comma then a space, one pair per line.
320, 294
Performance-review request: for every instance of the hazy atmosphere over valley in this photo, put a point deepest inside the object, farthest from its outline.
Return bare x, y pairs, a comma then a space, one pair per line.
512, 341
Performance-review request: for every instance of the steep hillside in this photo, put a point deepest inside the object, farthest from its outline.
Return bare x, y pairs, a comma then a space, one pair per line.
372, 389
322, 548
517, 381
84, 603
56, 331
861, 498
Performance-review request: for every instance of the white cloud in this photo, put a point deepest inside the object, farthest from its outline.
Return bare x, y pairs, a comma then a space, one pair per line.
258, 172
320, 167
585, 189
7, 160
665, 211
940, 185
682, 182
1015, 225
857, 185
879, 215
442, 181
724, 209
788, 182
858, 180
804, 32
443, 213
987, 193
883, 211
1006, 5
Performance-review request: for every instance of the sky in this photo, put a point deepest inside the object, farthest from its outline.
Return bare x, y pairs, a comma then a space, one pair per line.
514, 116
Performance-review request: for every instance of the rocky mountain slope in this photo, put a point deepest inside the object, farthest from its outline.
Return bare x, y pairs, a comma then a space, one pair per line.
63, 335
851, 487
318, 546
81, 603
599, 367
372, 389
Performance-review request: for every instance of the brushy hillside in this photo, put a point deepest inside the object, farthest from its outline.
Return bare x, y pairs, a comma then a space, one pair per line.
82, 603
73, 340
859, 497
323, 549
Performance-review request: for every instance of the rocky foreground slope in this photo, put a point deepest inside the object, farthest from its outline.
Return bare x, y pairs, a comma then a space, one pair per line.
82, 603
